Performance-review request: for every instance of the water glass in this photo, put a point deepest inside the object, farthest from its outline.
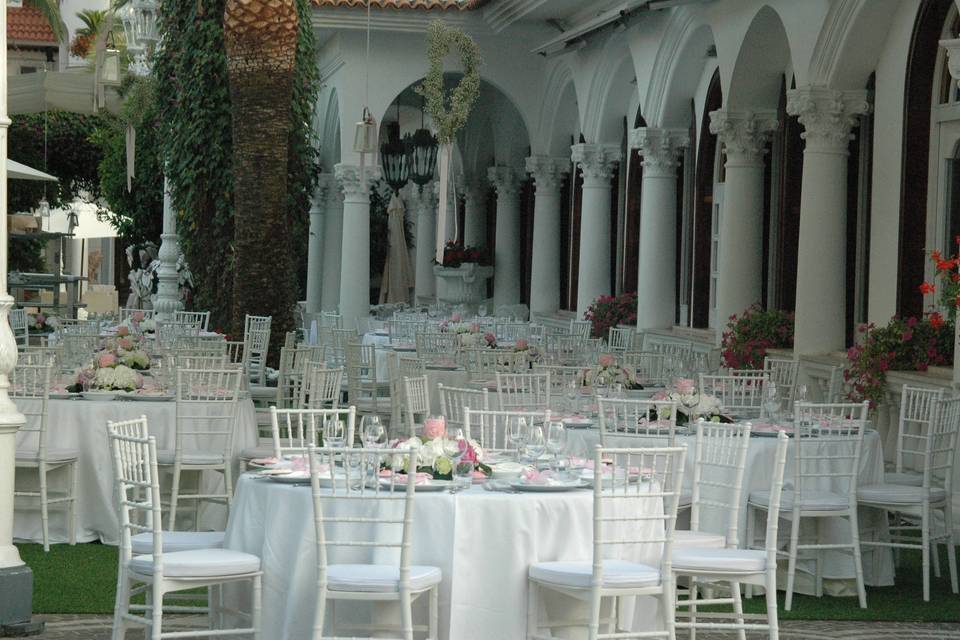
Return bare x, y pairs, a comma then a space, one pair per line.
801, 395
463, 474
771, 400
556, 440
516, 432
374, 435
573, 395
535, 445
334, 433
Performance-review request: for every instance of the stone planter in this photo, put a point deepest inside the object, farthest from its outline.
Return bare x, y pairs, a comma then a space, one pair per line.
464, 285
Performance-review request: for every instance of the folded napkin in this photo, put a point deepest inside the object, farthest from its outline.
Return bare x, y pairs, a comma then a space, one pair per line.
401, 478
770, 427
265, 461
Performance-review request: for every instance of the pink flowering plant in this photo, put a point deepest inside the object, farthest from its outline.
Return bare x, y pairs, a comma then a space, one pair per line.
610, 311
39, 323
748, 337
909, 344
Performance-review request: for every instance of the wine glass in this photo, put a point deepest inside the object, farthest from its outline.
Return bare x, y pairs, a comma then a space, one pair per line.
771, 400
801, 395
535, 445
454, 447
374, 435
516, 433
334, 433
573, 394
556, 440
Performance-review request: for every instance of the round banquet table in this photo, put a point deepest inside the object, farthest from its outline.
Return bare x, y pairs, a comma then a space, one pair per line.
82, 425
482, 541
878, 568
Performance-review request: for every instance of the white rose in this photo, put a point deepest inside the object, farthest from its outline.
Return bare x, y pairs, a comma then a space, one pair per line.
430, 451
104, 378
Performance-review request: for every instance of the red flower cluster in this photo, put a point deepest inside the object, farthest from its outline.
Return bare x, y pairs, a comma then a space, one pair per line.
610, 311
455, 254
747, 337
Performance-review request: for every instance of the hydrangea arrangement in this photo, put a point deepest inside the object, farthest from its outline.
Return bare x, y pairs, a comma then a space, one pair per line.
691, 405
39, 323
430, 455
607, 372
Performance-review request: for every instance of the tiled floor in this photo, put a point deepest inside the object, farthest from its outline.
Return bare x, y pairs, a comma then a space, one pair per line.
98, 628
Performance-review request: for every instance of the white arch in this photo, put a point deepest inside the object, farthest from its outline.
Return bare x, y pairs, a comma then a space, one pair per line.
329, 131
762, 59
611, 92
554, 110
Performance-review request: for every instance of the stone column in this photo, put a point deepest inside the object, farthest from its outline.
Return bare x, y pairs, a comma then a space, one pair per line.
318, 207
167, 301
547, 174
657, 255
332, 239
475, 213
740, 261
426, 288
597, 162
828, 117
355, 259
506, 259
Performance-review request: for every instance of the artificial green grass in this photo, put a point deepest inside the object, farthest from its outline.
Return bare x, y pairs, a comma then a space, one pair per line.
82, 579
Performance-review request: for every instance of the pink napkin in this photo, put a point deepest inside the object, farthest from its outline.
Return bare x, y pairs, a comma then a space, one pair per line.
769, 427
537, 477
422, 478
265, 461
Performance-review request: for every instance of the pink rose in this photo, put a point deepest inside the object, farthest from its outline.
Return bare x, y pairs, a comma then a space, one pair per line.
490, 338
684, 386
521, 344
123, 331
125, 343
606, 360
106, 360
469, 455
434, 428
137, 316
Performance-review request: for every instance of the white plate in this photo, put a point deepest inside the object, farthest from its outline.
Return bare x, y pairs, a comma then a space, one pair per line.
63, 395
442, 367
148, 397
577, 424
99, 395
549, 488
291, 478
429, 485
404, 348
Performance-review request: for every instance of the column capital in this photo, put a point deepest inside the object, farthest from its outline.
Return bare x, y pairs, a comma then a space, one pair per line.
326, 184
660, 149
827, 115
547, 171
505, 180
744, 133
348, 177
596, 160
472, 188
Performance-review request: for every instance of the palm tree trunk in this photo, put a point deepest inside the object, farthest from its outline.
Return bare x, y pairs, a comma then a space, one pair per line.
261, 41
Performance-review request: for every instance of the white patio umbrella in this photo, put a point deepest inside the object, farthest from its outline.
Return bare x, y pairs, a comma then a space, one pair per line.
17, 171
397, 273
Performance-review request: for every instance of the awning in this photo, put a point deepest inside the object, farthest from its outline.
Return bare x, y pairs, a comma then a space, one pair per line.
47, 90
17, 171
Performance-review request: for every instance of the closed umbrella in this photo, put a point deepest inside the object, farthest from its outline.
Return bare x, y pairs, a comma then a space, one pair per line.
397, 274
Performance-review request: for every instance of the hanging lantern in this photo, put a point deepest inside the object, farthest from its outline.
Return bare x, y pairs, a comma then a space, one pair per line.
421, 156
393, 160
110, 64
43, 208
365, 138
145, 21
128, 17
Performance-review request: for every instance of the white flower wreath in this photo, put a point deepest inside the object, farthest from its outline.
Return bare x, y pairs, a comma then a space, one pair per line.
440, 39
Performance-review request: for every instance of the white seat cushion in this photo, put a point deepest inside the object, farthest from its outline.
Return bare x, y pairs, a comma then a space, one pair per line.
719, 560
254, 453
616, 573
174, 541
909, 479
896, 494
199, 563
53, 455
699, 539
378, 578
167, 456
811, 501
261, 392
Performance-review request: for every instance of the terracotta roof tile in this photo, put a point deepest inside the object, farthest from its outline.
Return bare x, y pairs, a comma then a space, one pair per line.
27, 24
442, 5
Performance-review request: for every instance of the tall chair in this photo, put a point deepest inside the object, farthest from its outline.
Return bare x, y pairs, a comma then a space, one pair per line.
453, 401
645, 420
159, 572
384, 541
296, 430
740, 394
30, 388
631, 521
199, 319
416, 395
530, 391
20, 324
256, 345
489, 428
918, 406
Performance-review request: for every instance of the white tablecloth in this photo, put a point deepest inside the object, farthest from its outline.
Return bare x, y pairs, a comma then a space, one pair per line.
482, 541
82, 425
878, 566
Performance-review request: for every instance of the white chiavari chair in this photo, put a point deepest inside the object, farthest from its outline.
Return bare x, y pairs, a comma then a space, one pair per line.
561, 377
647, 420
384, 541
42, 354
416, 396
740, 394
436, 347
296, 430
918, 407
453, 400
737, 567
30, 389
484, 364
201, 348
78, 347
205, 428
294, 363
489, 427
162, 568
632, 521
581, 328
512, 331
174, 335
256, 344
400, 367
404, 331
827, 446
203, 362
783, 373
199, 319
620, 339
364, 391
649, 368
530, 391
564, 348
930, 502
20, 324
321, 387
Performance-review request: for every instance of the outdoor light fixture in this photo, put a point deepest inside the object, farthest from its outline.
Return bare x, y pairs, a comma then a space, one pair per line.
365, 138
139, 18
421, 154
393, 157
110, 65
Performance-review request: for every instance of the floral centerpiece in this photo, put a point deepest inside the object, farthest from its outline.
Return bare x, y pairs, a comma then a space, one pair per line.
40, 323
138, 323
430, 456
607, 372
749, 335
109, 372
455, 255
691, 404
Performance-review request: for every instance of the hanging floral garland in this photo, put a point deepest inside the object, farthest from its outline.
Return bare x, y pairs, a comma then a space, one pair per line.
440, 40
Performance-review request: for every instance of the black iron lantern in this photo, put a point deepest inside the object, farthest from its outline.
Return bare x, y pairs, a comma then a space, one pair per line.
393, 159
422, 156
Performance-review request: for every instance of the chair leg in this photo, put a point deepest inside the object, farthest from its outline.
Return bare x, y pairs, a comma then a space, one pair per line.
857, 557
692, 609
156, 626
434, 613
593, 625
121, 606
72, 505
318, 615
818, 562
738, 609
44, 507
935, 558
792, 562
533, 613
668, 600
174, 495
951, 549
925, 551
749, 543
213, 606
255, 608
772, 619
406, 614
